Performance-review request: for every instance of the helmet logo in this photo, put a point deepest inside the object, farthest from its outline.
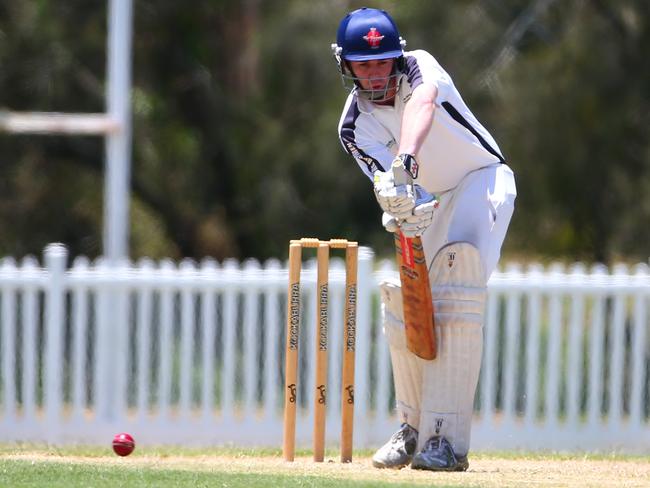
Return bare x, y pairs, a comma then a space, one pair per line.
373, 37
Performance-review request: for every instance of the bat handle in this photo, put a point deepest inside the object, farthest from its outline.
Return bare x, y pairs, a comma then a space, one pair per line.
400, 175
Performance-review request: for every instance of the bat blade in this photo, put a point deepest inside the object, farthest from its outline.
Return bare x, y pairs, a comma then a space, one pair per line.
416, 297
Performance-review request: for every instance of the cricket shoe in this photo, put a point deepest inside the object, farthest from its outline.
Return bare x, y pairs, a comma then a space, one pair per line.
398, 451
438, 455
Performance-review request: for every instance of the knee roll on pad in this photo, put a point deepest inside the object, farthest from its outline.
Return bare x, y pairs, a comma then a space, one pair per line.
458, 285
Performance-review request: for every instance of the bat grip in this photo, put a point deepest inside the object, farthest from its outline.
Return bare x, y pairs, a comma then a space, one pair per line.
400, 175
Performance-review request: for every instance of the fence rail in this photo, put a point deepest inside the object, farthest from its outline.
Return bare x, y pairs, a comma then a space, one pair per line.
193, 353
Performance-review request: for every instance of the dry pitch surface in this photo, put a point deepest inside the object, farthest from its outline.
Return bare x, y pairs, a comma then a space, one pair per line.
485, 470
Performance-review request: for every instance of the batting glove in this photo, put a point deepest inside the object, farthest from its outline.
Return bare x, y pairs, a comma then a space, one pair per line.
389, 222
415, 224
398, 201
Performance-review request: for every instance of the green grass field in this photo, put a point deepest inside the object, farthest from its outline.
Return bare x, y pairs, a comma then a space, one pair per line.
78, 466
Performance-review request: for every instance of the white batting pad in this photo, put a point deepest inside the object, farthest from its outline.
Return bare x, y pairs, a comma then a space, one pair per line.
391, 297
407, 367
458, 286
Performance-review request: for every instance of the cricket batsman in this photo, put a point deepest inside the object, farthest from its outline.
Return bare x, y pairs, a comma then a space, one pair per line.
404, 111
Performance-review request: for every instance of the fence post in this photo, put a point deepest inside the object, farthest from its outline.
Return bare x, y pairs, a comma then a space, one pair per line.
489, 360
8, 343
208, 335
251, 339
187, 316
533, 332
145, 269
596, 348
617, 355
273, 385
119, 327
639, 344
79, 360
30, 327
102, 349
166, 340
574, 353
510, 352
55, 262
554, 353
228, 352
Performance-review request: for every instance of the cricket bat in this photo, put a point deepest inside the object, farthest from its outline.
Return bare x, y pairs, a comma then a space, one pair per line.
416, 292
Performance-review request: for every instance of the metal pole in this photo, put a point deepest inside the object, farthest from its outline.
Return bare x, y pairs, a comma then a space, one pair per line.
118, 144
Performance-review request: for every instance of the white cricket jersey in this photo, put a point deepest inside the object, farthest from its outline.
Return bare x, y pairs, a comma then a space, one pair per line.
456, 145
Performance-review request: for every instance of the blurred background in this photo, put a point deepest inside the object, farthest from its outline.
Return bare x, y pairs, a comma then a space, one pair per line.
235, 112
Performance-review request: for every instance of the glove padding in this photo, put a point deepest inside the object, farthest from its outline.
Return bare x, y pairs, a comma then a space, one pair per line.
389, 222
398, 201
420, 218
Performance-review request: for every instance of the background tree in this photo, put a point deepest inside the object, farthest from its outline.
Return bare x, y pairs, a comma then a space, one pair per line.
236, 105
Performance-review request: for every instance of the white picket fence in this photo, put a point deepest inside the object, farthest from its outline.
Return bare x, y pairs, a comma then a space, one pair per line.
193, 354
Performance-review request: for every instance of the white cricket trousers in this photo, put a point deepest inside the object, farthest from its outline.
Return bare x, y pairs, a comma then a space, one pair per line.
478, 210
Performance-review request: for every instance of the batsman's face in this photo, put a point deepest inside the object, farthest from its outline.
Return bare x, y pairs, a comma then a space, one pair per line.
373, 74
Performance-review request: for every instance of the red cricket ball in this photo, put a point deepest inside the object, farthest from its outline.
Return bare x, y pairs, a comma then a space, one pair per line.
123, 444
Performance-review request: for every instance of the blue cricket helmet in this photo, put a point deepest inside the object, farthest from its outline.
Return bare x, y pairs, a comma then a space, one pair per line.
368, 33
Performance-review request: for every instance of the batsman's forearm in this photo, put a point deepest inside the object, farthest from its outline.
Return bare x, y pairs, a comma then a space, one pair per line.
417, 119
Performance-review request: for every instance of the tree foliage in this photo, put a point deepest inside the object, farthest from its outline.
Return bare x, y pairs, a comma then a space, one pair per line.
236, 105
